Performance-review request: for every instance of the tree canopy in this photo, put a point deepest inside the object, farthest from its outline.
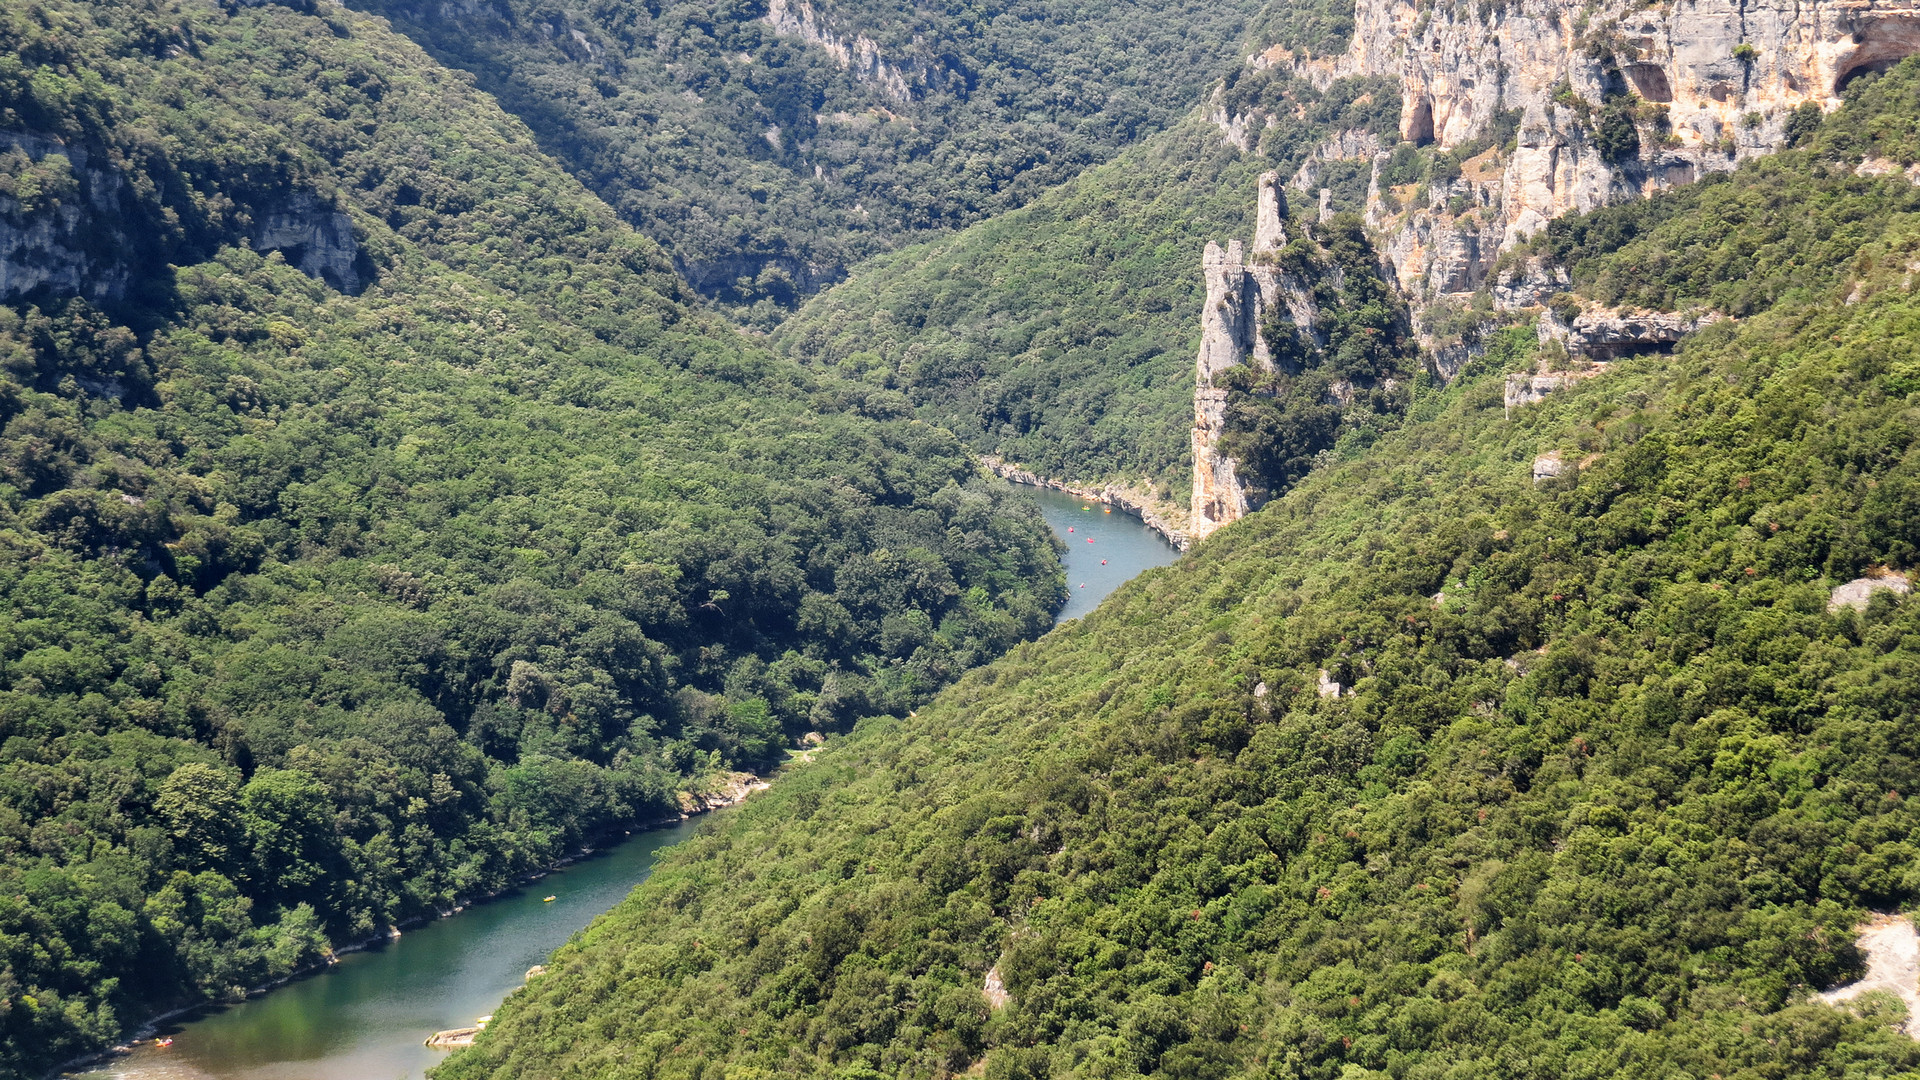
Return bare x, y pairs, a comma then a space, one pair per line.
1426, 769
321, 609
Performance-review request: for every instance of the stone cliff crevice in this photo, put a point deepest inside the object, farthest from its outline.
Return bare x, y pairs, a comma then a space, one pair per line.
1547, 108
63, 222
1715, 82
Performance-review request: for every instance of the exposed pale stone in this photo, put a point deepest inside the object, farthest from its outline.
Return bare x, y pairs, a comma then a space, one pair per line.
1524, 389
77, 246
1462, 66
1268, 233
1893, 965
994, 989
315, 238
1239, 293
1604, 335
1326, 686
1855, 594
857, 54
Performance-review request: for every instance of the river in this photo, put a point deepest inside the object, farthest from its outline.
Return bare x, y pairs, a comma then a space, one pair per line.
1122, 546
364, 1017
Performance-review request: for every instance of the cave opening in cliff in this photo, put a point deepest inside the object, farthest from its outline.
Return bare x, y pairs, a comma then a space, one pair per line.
1419, 126
1878, 47
1606, 351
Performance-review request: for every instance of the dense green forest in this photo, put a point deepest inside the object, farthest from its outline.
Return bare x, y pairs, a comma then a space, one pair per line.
325, 608
767, 165
1061, 336
1602, 789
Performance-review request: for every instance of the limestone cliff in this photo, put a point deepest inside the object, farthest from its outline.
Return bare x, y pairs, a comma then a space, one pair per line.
62, 222
1544, 107
898, 77
314, 237
1606, 101
1240, 292
71, 224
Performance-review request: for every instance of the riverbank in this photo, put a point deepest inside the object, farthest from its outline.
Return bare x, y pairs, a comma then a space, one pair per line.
714, 793
1167, 519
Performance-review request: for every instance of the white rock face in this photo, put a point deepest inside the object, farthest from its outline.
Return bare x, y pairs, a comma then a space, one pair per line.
857, 54
1728, 73
72, 246
1325, 686
315, 238
1240, 291
1893, 965
1227, 328
995, 990
1855, 594
91, 238
1715, 82
1605, 335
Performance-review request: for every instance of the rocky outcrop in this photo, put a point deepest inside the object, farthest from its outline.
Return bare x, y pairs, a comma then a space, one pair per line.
314, 237
994, 989
1699, 85
1341, 146
1893, 967
1240, 291
721, 790
859, 55
454, 1038
1608, 335
71, 225
1526, 388
64, 219
1547, 108
1855, 594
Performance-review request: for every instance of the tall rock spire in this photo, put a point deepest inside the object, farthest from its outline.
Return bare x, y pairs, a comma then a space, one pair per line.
1242, 288
1225, 341
1268, 233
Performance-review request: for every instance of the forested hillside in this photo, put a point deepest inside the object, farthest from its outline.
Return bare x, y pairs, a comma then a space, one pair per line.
1427, 769
770, 146
1061, 336
392, 520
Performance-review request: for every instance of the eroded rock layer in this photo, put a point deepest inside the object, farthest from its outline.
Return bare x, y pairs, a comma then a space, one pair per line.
1610, 102
1240, 291
1555, 108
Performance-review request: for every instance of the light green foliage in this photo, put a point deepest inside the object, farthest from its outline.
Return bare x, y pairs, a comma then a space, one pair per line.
1604, 794
323, 611
1060, 336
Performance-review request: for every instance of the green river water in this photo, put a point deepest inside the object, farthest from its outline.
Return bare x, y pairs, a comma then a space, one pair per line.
365, 1018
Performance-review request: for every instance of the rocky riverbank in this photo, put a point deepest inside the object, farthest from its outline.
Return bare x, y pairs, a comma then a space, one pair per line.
1167, 519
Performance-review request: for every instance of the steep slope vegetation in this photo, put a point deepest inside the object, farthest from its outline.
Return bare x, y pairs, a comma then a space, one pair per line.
1427, 769
768, 146
1061, 336
322, 608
